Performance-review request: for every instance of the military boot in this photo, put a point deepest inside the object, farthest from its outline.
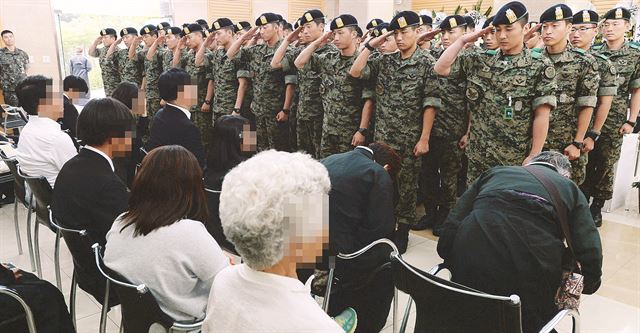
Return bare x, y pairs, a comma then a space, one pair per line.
429, 218
441, 217
596, 211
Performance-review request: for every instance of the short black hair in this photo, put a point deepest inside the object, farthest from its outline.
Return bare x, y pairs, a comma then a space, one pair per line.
102, 119
170, 81
76, 83
125, 92
4, 32
31, 90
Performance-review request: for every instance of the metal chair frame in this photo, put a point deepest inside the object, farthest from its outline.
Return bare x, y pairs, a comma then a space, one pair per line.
9, 111
31, 323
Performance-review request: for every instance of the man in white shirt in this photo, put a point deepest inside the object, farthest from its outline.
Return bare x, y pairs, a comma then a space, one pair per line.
43, 147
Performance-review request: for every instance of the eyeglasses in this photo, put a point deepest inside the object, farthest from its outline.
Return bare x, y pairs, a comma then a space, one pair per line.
581, 29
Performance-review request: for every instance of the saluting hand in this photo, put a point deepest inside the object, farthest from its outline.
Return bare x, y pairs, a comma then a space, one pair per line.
252, 33
161, 40
210, 39
427, 36
530, 31
182, 42
295, 35
377, 42
98, 41
324, 39
118, 41
473, 37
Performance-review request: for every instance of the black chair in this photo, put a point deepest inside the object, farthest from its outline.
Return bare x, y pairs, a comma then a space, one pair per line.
31, 323
8, 177
20, 194
12, 118
140, 310
213, 224
445, 306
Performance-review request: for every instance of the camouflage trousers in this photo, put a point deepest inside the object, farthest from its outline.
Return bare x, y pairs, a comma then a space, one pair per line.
309, 133
440, 170
407, 180
153, 105
109, 86
271, 134
293, 129
10, 97
598, 181
335, 143
203, 122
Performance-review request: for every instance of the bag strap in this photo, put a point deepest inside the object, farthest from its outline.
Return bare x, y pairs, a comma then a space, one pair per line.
556, 201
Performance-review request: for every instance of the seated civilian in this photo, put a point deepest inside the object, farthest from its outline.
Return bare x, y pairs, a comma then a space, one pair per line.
361, 211
175, 256
504, 236
172, 124
75, 88
277, 220
43, 147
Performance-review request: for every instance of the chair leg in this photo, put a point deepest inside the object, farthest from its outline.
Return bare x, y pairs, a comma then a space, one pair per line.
105, 309
72, 298
121, 324
29, 237
56, 260
17, 226
327, 294
36, 247
394, 315
405, 317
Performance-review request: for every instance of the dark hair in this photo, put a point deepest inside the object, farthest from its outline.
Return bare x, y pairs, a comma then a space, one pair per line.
4, 32
125, 92
385, 155
102, 119
319, 20
524, 19
224, 144
76, 83
168, 187
170, 81
31, 90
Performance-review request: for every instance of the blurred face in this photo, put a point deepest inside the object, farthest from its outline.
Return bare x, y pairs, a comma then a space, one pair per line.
423, 28
582, 35
555, 33
510, 37
312, 31
405, 38
450, 36
389, 45
162, 33
344, 38
308, 229
52, 105
9, 39
188, 95
148, 39
614, 30
490, 41
120, 147
224, 37
241, 33
138, 104
172, 41
249, 139
194, 40
108, 40
269, 31
128, 39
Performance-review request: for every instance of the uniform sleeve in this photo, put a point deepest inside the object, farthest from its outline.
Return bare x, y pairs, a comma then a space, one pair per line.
368, 91
209, 65
371, 69
287, 62
608, 85
431, 89
291, 79
315, 62
461, 66
587, 88
546, 85
634, 82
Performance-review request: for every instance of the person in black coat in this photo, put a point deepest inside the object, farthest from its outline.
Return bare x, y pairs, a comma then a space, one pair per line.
172, 124
87, 193
74, 88
361, 210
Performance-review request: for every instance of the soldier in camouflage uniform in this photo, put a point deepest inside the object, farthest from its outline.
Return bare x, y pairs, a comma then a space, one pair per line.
512, 92
341, 93
13, 67
626, 60
578, 78
426, 26
201, 111
130, 71
310, 111
407, 97
152, 65
269, 85
108, 66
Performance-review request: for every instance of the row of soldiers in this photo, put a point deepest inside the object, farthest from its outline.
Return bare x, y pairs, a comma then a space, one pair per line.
324, 91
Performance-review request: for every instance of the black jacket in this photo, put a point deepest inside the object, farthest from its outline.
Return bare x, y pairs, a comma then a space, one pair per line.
171, 126
70, 118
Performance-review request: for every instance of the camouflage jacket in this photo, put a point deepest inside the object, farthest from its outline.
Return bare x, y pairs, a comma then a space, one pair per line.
198, 75
152, 71
130, 71
224, 74
13, 68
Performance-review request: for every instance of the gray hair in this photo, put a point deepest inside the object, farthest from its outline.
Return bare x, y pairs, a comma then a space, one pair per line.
559, 161
256, 199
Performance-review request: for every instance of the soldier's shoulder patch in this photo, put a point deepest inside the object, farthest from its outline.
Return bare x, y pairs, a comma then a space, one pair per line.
601, 56
491, 52
536, 55
550, 72
597, 47
634, 45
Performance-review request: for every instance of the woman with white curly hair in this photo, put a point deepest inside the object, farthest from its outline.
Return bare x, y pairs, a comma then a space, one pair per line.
274, 209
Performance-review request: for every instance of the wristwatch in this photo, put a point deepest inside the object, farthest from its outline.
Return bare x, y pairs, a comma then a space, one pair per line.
286, 111
369, 47
578, 144
632, 123
363, 131
207, 101
593, 135
236, 110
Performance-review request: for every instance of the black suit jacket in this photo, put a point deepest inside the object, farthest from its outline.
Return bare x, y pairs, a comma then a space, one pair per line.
171, 126
70, 117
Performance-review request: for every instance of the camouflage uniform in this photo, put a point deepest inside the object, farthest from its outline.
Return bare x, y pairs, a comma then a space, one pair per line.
245, 108
203, 120
110, 71
269, 92
13, 68
310, 111
577, 78
600, 171
341, 101
130, 71
152, 71
404, 88
167, 59
223, 72
504, 91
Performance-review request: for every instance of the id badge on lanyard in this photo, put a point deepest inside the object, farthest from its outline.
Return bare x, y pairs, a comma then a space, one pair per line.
507, 111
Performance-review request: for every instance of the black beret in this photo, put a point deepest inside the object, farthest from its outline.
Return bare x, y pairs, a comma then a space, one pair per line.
147, 29
426, 20
193, 27
296, 24
108, 31
242, 25
288, 26
404, 19
280, 18
381, 29
344, 20
221, 23
618, 13
127, 31
471, 23
452, 21
558, 12
163, 25
359, 31
203, 23
266, 18
373, 23
510, 13
585, 16
487, 22
184, 25
175, 31
311, 15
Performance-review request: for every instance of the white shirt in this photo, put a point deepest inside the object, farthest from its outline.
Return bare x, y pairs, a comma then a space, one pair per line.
99, 152
177, 263
185, 111
44, 148
245, 300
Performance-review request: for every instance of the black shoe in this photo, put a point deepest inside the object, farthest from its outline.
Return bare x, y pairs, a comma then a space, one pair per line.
596, 211
426, 222
441, 217
401, 237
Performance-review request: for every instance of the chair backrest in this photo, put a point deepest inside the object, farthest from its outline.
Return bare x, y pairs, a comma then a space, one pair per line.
213, 225
445, 306
43, 193
18, 184
31, 324
139, 308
